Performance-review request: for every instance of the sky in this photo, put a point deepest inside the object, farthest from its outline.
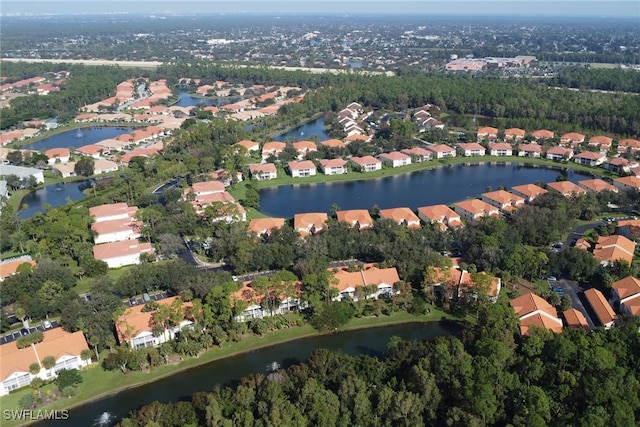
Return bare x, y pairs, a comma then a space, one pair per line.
568, 8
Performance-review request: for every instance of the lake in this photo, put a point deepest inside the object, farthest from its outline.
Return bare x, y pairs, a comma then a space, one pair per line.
78, 137
54, 195
305, 132
230, 370
442, 185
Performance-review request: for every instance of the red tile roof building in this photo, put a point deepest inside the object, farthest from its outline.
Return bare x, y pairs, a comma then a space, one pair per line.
402, 216
66, 348
601, 307
533, 311
310, 223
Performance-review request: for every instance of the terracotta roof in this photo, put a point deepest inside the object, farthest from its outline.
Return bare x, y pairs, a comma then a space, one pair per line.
401, 216
336, 143
57, 152
332, 163
118, 249
476, 206
627, 287
600, 306
356, 216
535, 311
566, 188
600, 139
597, 185
9, 268
90, 149
56, 343
274, 146
263, 167
572, 136
394, 155
305, 146
303, 222
487, 131
470, 146
512, 132
441, 213
440, 148
575, 319
304, 164
116, 225
590, 155
530, 148
205, 187
134, 321
629, 181
614, 247
560, 151
543, 133
633, 143
417, 151
370, 275
249, 145
365, 160
503, 197
500, 146
112, 209
530, 191
356, 137
265, 225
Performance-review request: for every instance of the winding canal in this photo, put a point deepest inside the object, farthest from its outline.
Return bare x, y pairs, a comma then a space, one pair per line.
181, 386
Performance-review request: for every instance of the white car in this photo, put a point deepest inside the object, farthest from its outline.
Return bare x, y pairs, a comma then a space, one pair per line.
47, 325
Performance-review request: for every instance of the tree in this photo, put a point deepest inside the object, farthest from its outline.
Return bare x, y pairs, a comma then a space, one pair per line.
34, 368
84, 167
48, 363
86, 354
68, 377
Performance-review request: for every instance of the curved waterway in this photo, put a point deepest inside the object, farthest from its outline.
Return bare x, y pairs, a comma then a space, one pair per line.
228, 371
441, 185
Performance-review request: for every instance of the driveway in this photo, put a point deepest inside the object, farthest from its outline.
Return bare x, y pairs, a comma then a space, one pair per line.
578, 232
573, 290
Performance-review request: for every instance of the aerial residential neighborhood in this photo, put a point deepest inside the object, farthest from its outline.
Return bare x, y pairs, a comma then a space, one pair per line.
377, 215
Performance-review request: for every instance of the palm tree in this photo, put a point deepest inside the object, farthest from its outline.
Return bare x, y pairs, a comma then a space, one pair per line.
34, 368
48, 363
93, 342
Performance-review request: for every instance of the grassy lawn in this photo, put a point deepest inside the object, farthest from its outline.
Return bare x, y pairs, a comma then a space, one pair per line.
98, 383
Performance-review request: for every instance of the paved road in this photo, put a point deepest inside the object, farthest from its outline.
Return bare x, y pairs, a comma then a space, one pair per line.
576, 292
578, 232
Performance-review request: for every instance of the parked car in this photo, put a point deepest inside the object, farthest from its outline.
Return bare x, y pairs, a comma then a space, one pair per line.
24, 331
552, 278
47, 325
558, 289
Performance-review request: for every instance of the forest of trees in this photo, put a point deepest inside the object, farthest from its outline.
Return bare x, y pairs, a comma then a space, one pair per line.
488, 375
617, 79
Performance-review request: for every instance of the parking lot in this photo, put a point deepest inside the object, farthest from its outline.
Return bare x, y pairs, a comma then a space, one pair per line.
7, 338
574, 291
140, 299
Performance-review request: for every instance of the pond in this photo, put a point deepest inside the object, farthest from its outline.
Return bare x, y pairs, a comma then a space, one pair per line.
54, 195
230, 370
186, 100
78, 137
305, 132
441, 185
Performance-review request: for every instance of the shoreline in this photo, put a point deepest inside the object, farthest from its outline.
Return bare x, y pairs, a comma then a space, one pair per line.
191, 363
